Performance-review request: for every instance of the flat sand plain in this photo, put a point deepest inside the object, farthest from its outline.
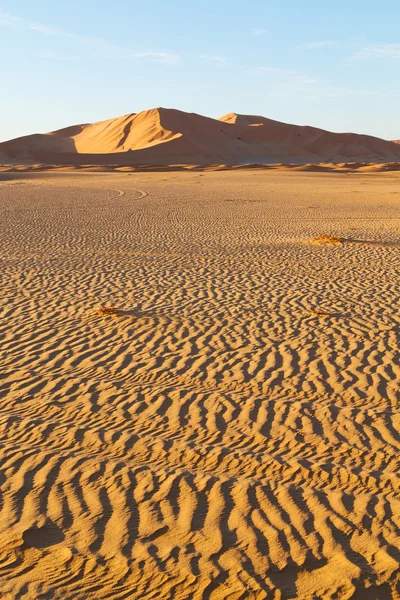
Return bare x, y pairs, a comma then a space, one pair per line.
230, 430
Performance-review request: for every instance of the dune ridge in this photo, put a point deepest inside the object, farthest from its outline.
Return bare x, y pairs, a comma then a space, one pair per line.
169, 136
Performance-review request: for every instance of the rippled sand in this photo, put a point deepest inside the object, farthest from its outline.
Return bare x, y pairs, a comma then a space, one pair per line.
230, 431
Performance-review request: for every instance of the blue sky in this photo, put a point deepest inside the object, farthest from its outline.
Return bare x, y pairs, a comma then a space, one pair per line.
331, 65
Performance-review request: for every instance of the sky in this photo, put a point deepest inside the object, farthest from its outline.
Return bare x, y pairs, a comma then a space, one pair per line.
331, 65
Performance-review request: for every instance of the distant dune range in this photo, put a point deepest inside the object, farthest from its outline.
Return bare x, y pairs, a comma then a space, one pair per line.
167, 136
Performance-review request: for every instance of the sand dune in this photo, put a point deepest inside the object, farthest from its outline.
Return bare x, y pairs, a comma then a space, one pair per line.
229, 430
168, 136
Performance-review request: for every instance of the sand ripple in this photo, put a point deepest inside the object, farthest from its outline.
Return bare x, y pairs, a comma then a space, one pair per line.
231, 431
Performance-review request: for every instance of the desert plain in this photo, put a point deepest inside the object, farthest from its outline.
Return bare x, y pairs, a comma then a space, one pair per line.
198, 398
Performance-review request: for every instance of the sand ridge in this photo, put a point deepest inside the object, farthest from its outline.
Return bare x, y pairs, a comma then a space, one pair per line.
347, 167
230, 430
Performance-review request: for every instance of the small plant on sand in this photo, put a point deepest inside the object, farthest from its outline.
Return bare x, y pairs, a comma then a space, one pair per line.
330, 240
106, 311
319, 313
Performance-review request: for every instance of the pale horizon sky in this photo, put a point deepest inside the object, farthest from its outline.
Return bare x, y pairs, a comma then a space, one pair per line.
333, 66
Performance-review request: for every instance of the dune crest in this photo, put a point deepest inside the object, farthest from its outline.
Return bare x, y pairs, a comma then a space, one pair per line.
169, 136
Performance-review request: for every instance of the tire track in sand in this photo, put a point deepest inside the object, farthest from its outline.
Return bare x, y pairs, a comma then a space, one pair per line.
142, 194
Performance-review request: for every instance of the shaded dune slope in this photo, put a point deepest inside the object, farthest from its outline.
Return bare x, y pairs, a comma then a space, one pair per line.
167, 136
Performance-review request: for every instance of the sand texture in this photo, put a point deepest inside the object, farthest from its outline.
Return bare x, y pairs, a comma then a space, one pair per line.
198, 389
163, 136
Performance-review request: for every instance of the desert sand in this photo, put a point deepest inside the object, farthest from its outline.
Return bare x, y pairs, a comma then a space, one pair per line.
199, 389
162, 136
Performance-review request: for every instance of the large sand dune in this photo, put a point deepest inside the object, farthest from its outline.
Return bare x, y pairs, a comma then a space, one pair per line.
167, 136
230, 430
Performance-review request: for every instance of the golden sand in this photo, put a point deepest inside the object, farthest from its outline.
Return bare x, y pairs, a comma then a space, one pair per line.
225, 427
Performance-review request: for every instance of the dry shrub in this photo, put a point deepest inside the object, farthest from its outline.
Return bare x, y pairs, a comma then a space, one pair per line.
330, 240
106, 311
319, 313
